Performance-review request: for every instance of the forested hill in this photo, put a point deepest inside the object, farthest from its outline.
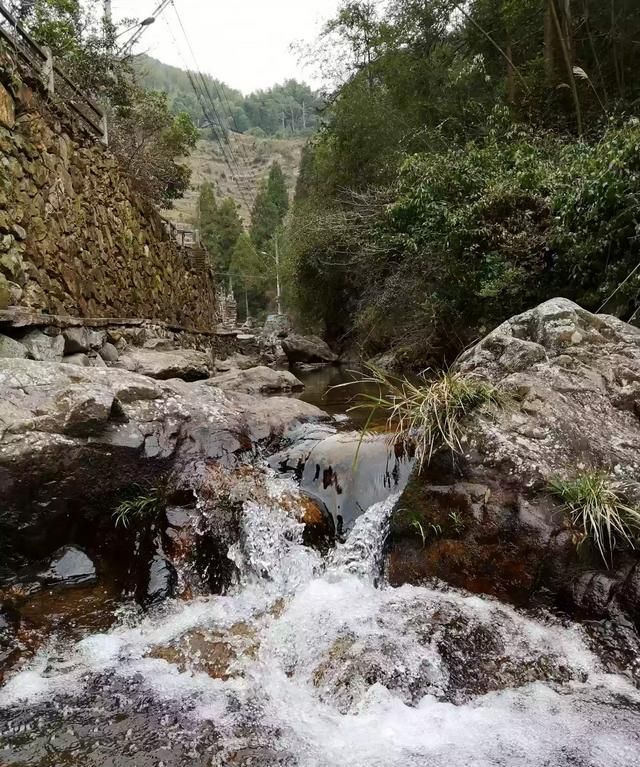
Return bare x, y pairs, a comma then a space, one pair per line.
289, 109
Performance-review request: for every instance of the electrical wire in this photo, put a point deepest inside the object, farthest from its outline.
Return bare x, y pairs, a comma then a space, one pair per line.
207, 92
202, 96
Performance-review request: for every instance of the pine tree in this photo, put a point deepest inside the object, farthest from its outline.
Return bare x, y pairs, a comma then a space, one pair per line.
250, 275
229, 228
264, 219
277, 191
208, 221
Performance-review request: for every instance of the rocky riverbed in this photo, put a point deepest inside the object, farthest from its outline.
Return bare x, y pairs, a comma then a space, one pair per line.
196, 570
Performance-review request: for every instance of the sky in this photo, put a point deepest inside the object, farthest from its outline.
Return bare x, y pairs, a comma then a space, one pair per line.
245, 43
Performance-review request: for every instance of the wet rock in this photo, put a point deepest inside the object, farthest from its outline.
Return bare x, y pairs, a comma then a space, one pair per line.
72, 436
69, 566
41, 346
162, 579
308, 349
569, 376
109, 353
11, 348
325, 464
258, 380
186, 364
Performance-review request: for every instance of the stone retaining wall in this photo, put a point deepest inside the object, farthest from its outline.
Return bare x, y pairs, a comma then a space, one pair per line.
75, 237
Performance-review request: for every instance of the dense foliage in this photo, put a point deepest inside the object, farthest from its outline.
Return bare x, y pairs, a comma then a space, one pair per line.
477, 158
289, 109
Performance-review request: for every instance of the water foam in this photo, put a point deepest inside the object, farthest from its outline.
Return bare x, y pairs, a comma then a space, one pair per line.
348, 673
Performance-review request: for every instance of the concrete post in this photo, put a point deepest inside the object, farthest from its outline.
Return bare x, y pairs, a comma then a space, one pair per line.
48, 75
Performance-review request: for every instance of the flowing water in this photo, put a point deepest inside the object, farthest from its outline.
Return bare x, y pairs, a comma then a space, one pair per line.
313, 661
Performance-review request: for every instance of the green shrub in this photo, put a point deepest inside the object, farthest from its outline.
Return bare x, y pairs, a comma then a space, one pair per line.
146, 504
598, 508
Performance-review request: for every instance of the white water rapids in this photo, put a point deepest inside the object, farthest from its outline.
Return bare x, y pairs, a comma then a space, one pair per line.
327, 667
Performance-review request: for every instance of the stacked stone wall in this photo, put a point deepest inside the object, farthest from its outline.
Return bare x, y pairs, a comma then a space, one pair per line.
76, 238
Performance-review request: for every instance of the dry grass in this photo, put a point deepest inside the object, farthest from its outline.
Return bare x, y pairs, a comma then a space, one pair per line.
429, 413
254, 155
598, 508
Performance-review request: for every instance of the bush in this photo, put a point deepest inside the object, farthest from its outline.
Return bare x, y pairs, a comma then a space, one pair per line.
428, 415
467, 236
598, 508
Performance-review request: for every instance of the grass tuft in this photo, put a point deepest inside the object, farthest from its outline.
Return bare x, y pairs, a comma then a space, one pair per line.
598, 508
428, 413
146, 504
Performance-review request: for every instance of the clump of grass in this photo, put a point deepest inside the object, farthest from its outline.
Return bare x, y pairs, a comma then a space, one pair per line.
599, 509
428, 413
148, 503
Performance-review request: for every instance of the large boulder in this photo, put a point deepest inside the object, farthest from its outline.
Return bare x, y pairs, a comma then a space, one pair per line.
72, 436
308, 350
11, 348
487, 521
43, 346
258, 380
187, 364
345, 471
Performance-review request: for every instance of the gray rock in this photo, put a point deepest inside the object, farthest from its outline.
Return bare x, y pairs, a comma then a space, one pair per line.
69, 566
323, 460
258, 380
159, 344
187, 364
236, 362
77, 359
96, 430
44, 347
109, 353
76, 340
162, 578
308, 349
11, 348
278, 325
573, 384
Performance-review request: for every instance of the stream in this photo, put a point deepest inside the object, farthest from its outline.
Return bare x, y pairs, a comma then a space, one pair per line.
311, 660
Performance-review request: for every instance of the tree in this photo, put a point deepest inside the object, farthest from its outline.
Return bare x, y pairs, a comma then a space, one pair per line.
265, 217
147, 138
144, 133
250, 274
277, 191
229, 228
208, 220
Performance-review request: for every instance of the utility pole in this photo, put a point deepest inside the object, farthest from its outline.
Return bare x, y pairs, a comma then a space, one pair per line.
304, 116
278, 296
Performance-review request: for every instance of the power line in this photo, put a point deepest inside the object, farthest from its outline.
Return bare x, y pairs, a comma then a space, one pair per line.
206, 90
200, 96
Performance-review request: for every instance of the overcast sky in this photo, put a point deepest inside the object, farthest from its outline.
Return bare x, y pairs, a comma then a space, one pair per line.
245, 43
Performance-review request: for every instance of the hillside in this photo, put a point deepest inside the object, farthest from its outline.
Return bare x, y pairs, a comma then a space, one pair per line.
254, 155
287, 109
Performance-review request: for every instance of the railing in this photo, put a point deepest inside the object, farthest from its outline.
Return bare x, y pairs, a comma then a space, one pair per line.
188, 240
41, 63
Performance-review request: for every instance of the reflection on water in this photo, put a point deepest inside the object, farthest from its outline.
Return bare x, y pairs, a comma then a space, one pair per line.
320, 391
